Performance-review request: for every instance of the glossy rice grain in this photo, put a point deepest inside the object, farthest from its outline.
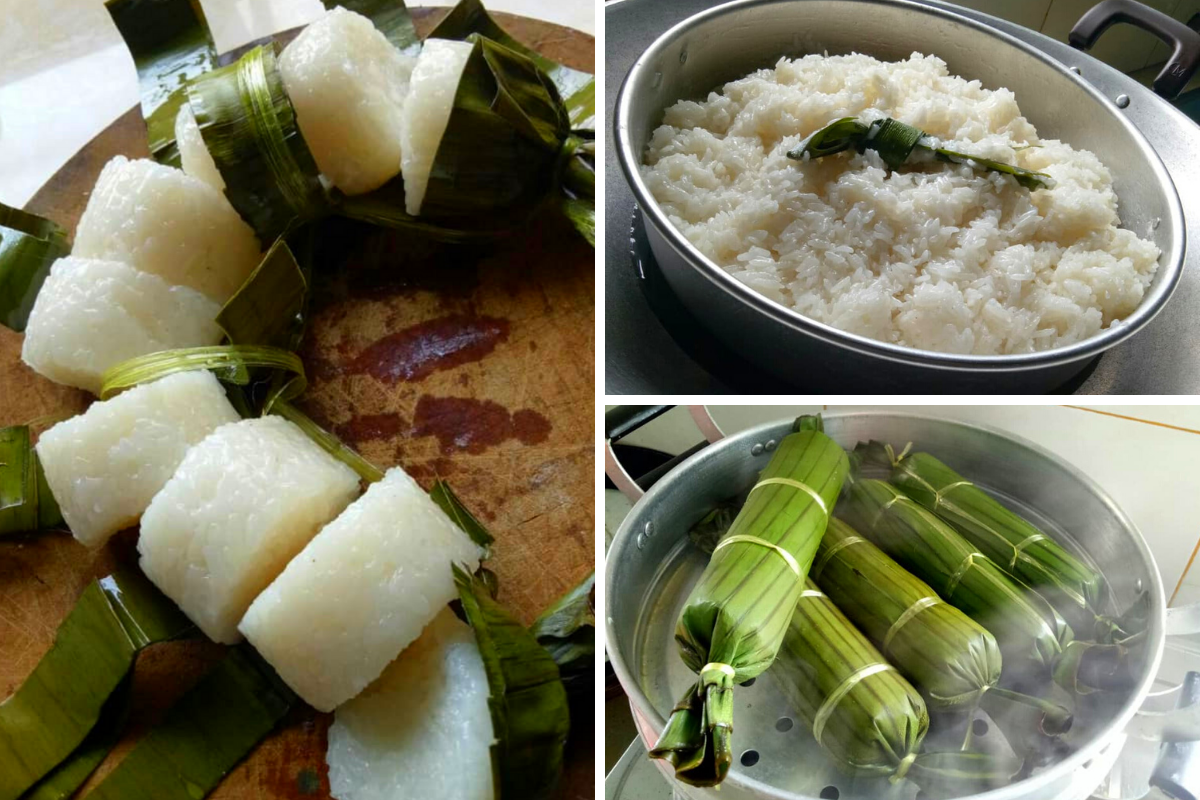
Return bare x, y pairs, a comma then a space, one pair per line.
427, 112
360, 592
348, 84
422, 730
161, 220
105, 465
242, 504
92, 314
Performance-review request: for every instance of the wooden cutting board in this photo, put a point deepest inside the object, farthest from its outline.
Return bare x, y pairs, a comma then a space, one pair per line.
477, 369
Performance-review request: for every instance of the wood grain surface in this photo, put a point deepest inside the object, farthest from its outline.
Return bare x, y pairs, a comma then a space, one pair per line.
476, 368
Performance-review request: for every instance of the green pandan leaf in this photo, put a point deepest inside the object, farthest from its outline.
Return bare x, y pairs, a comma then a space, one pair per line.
528, 702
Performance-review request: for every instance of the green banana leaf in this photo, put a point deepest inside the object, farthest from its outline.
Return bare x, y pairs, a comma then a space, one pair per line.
26, 502
1030, 633
390, 17
59, 704
567, 630
895, 142
204, 736
528, 702
29, 246
577, 88
171, 44
448, 501
268, 309
735, 618
249, 126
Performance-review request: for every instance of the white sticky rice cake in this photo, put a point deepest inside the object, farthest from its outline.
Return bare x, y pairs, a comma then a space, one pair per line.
92, 314
359, 592
193, 152
161, 220
104, 466
422, 730
934, 256
348, 84
241, 505
427, 113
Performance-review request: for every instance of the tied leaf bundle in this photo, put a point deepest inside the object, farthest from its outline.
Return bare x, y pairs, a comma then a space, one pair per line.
862, 711
1075, 589
1030, 633
250, 129
895, 143
734, 621
26, 502
527, 700
52, 714
949, 656
29, 245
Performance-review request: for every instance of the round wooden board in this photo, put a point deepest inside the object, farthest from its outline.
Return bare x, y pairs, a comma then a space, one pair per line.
476, 369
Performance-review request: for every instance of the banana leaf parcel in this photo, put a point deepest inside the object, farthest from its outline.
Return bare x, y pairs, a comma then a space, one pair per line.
1074, 588
735, 618
1030, 633
861, 710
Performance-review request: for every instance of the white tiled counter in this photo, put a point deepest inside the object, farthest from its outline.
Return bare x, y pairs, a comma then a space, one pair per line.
66, 73
1144, 456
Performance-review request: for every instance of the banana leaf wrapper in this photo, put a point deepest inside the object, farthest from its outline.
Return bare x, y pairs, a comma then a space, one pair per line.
735, 618
390, 17
951, 658
864, 714
567, 630
170, 43
204, 735
527, 700
26, 502
57, 707
29, 246
249, 127
1031, 634
1073, 587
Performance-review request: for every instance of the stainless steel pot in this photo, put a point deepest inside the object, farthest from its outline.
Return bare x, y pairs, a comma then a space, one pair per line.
729, 41
651, 567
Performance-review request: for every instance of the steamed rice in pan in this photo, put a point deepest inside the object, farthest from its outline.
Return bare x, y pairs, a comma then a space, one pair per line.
933, 255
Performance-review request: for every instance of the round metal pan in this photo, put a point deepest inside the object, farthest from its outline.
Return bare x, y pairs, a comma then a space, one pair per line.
652, 565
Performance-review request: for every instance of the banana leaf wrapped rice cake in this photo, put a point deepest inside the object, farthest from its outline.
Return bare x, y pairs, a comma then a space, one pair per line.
736, 616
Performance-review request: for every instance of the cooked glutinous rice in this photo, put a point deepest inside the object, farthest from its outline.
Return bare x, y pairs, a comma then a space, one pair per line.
934, 256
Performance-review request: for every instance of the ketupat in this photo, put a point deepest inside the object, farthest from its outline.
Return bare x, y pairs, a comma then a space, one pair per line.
1031, 634
735, 618
1075, 589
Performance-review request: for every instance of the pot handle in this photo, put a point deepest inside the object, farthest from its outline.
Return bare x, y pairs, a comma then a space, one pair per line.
621, 421
1184, 59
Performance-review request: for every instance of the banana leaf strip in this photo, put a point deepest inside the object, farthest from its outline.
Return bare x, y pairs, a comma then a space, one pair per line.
268, 309
567, 630
390, 17
59, 704
577, 88
249, 126
735, 618
330, 443
65, 779
231, 363
1089, 667
204, 736
384, 207
1030, 633
1072, 586
951, 658
29, 246
528, 702
448, 501
26, 502
956, 773
895, 142
171, 44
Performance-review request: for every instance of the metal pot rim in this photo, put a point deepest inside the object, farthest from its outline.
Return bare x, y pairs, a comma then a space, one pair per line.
1164, 285
626, 537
